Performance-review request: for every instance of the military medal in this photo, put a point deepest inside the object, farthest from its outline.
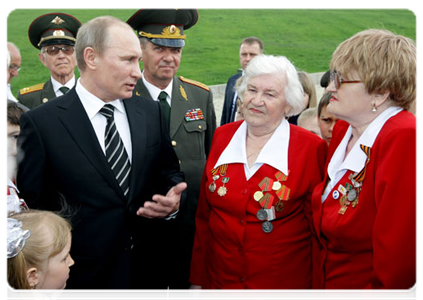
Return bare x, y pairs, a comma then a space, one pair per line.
215, 176
261, 214
223, 190
267, 227
279, 206
258, 195
212, 186
351, 192
266, 201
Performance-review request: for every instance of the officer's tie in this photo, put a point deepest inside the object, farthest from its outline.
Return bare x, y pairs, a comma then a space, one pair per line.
115, 151
165, 106
64, 89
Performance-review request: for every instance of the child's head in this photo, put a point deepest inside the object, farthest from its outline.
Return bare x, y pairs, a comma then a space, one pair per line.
310, 97
13, 114
308, 120
326, 120
43, 260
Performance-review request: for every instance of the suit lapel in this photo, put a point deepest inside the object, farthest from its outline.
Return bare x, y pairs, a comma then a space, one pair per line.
73, 116
138, 127
180, 105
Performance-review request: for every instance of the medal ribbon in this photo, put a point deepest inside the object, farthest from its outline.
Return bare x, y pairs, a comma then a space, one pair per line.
220, 169
359, 177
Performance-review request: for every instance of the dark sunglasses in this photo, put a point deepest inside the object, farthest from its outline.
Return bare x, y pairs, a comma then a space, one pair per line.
53, 50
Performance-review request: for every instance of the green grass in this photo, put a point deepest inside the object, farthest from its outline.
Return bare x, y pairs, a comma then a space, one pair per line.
306, 37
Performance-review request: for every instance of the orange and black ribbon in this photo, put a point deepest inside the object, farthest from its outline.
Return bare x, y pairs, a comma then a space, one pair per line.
359, 177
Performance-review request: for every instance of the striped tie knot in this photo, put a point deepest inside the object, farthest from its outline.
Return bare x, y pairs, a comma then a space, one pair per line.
107, 111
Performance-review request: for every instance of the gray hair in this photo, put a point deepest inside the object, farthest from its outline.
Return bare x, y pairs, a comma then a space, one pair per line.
7, 58
277, 65
95, 34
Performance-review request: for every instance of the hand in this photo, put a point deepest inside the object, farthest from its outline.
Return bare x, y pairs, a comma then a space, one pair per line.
195, 291
162, 206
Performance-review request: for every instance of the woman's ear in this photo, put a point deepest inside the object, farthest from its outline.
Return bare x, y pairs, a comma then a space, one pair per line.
379, 99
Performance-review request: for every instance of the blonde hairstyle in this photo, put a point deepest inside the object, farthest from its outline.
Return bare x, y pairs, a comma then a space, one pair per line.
278, 66
306, 114
49, 236
309, 88
383, 61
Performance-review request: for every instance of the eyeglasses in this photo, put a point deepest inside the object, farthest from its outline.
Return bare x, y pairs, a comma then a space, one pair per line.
336, 78
53, 50
15, 68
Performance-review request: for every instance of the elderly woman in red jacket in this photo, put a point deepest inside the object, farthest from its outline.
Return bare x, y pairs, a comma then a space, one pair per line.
365, 210
254, 216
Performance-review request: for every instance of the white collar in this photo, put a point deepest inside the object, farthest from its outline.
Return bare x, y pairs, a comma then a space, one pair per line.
356, 159
57, 85
92, 103
274, 153
155, 91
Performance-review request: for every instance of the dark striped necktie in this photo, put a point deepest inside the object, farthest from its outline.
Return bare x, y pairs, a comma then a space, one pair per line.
115, 151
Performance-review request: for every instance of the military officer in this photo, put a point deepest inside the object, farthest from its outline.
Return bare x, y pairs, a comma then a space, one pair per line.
55, 35
188, 107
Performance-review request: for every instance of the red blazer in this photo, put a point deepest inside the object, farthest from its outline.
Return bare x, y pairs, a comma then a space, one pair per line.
374, 244
231, 250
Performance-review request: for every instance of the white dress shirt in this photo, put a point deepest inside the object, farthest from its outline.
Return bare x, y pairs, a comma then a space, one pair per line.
356, 159
93, 105
155, 91
57, 85
274, 152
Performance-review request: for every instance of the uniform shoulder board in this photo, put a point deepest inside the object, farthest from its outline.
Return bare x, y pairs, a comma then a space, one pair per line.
34, 88
196, 83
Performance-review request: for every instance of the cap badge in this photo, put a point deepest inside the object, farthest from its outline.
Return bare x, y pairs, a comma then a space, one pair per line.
172, 29
58, 33
57, 20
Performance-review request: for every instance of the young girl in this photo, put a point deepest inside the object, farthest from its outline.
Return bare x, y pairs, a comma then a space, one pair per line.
38, 244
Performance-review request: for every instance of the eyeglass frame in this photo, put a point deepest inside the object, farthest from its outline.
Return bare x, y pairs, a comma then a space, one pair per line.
15, 68
338, 81
64, 49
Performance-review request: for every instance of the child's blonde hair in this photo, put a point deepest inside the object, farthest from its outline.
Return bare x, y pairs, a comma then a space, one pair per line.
49, 236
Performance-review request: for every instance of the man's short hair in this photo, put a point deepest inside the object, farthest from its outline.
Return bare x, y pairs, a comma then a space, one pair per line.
251, 40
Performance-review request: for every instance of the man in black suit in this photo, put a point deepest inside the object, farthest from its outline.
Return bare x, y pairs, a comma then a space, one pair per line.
250, 47
69, 154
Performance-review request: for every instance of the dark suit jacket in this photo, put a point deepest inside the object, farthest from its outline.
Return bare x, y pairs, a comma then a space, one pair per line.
62, 156
229, 97
37, 95
191, 139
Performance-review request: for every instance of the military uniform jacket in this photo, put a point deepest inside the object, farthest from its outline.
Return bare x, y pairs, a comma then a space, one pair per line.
192, 125
372, 245
231, 251
36, 95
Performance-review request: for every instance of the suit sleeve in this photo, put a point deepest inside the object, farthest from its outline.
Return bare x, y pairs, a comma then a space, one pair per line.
394, 231
32, 160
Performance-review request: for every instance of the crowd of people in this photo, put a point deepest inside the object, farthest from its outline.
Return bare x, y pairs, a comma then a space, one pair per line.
121, 179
